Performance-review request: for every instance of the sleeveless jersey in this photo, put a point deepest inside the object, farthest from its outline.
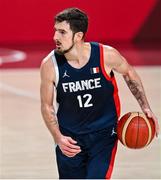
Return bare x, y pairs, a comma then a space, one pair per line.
87, 97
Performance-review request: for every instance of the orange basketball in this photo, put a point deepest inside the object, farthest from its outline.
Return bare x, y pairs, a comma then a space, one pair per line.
135, 130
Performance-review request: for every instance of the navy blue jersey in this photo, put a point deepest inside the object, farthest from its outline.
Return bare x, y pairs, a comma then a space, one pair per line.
87, 97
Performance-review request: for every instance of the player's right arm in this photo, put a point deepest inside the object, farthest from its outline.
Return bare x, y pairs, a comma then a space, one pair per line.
66, 144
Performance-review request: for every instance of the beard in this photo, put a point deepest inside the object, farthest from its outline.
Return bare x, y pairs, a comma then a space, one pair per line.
62, 52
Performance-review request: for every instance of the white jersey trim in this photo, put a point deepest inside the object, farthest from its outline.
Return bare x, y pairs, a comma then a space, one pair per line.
56, 68
56, 104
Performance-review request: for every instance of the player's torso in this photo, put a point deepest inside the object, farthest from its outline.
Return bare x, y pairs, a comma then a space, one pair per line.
84, 95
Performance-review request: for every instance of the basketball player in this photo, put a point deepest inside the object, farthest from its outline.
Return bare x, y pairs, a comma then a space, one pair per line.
84, 126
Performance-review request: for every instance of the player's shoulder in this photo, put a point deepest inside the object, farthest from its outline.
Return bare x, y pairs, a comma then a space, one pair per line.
47, 67
110, 50
47, 71
47, 63
111, 55
47, 60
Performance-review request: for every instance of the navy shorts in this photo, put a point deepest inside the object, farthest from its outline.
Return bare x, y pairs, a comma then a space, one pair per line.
96, 159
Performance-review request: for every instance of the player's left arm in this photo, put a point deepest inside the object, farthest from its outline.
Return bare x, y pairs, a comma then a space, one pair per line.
117, 62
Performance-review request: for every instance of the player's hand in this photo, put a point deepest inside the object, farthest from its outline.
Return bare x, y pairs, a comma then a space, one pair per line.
68, 146
150, 114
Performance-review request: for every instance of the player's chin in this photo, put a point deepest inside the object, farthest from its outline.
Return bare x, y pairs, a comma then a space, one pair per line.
59, 51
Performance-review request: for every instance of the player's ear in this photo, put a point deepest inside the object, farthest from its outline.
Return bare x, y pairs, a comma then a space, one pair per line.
79, 36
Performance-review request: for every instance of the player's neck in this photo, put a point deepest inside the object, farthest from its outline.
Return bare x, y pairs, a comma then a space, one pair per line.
78, 52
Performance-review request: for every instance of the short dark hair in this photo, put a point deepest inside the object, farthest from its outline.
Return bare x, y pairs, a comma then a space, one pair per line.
77, 19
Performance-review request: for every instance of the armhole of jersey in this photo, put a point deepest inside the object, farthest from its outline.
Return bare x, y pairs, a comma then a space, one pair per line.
102, 64
112, 79
56, 69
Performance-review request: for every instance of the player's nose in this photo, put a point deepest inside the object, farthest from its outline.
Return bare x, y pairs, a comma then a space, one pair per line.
56, 36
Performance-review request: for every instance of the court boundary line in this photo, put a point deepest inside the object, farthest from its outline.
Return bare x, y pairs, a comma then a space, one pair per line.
13, 56
18, 91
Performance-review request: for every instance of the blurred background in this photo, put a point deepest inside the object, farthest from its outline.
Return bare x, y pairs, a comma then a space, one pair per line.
26, 37
28, 26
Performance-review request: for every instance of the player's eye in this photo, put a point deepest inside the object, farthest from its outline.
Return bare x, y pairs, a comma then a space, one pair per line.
62, 32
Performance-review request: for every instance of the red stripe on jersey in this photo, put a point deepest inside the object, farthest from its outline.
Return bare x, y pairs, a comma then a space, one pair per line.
109, 172
97, 69
112, 79
116, 97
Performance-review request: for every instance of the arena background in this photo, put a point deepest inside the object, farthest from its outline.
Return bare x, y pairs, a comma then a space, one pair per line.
26, 31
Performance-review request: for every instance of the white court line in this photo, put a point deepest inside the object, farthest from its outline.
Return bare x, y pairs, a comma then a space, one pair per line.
10, 55
18, 92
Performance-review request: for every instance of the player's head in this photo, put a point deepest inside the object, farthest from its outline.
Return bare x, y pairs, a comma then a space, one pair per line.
70, 27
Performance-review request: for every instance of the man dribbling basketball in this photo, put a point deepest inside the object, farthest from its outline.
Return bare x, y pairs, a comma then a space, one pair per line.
87, 94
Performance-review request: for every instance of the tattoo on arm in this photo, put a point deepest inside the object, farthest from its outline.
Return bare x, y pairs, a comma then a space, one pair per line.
137, 91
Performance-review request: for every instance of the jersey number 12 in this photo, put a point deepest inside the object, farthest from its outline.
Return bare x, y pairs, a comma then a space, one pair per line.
84, 101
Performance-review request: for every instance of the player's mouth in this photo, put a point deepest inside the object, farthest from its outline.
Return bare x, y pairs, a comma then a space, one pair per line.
58, 44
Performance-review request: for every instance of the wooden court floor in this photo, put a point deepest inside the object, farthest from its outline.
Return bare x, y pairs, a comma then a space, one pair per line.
27, 148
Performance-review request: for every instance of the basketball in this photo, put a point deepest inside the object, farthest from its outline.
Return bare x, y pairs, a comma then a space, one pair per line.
135, 130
